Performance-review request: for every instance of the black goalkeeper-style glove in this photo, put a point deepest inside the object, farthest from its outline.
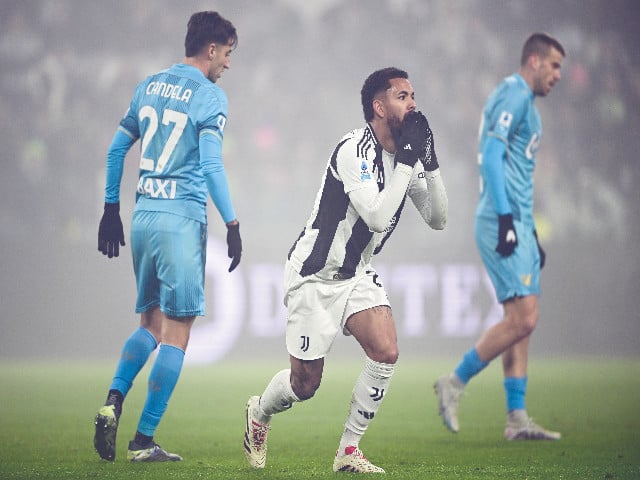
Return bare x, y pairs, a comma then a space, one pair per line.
110, 232
413, 132
507, 238
428, 155
234, 242
543, 254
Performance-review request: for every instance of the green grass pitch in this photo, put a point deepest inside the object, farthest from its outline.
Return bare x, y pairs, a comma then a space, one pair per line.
47, 410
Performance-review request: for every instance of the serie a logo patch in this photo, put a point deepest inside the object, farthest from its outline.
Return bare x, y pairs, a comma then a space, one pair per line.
364, 171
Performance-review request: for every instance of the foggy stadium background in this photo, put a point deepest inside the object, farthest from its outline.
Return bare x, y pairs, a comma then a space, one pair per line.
67, 72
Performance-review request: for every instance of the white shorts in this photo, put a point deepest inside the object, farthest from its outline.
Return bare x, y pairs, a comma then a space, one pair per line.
317, 309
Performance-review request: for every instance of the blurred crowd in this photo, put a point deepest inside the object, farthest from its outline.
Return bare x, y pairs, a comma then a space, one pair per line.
69, 69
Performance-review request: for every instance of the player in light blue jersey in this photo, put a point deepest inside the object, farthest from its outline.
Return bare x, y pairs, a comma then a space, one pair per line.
506, 235
179, 115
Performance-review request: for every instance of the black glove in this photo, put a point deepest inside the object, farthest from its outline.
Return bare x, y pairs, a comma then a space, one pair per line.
234, 242
110, 232
413, 132
543, 255
428, 155
507, 238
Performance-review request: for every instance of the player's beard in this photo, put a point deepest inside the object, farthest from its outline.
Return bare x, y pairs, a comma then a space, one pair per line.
395, 124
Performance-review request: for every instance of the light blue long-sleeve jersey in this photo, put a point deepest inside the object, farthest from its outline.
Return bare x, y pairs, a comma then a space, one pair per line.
180, 116
510, 132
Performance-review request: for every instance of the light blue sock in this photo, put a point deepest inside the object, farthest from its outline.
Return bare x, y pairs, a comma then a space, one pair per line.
162, 380
135, 353
515, 389
470, 366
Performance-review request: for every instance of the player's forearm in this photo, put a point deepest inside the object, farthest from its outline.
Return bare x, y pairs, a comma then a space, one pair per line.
430, 198
216, 177
492, 168
116, 154
377, 210
219, 190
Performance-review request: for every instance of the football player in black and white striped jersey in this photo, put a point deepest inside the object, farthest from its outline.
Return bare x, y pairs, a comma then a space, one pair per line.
330, 284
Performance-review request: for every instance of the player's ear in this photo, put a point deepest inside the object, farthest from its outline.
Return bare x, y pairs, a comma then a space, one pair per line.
378, 107
212, 51
534, 61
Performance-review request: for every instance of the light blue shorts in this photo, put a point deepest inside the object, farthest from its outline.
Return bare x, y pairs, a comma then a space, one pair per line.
517, 275
169, 255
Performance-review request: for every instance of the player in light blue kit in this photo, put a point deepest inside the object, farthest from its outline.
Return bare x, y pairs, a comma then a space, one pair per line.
506, 235
179, 115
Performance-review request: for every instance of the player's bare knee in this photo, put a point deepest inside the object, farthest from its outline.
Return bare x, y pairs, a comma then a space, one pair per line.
389, 354
305, 387
525, 325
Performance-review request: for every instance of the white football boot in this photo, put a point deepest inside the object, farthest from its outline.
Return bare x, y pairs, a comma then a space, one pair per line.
522, 427
449, 389
255, 436
353, 460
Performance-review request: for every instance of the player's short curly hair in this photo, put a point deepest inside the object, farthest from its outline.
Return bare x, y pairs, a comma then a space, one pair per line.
539, 43
205, 28
377, 82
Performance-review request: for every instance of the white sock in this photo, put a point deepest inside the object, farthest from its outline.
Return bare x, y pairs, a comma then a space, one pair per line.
456, 382
368, 393
349, 439
277, 397
518, 416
